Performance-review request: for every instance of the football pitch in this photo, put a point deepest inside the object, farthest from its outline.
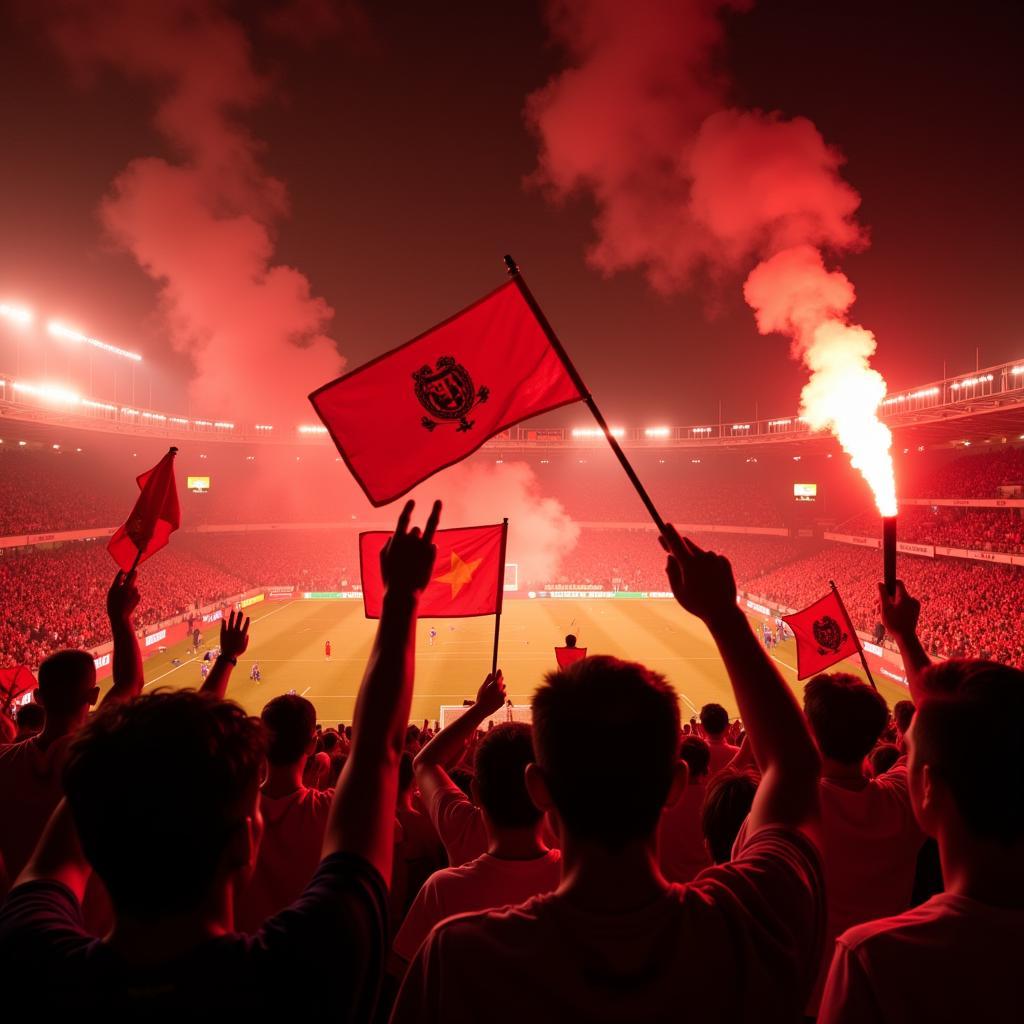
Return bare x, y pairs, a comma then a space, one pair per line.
287, 639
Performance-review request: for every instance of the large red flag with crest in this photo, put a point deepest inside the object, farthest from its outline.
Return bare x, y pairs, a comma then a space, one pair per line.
154, 518
468, 573
436, 399
823, 635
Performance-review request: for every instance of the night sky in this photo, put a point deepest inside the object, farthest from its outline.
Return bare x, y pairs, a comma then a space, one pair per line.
401, 138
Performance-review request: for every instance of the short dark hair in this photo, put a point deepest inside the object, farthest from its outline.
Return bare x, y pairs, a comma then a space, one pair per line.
609, 800
570, 640
727, 802
883, 757
903, 714
714, 718
31, 716
845, 714
156, 787
290, 721
697, 755
970, 732
66, 682
500, 770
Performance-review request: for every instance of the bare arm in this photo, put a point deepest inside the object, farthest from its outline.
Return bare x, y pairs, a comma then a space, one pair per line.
234, 640
444, 750
777, 732
122, 600
900, 615
362, 815
58, 855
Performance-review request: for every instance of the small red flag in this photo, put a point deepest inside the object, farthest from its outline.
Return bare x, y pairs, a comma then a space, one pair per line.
154, 518
467, 573
823, 635
14, 682
435, 400
566, 656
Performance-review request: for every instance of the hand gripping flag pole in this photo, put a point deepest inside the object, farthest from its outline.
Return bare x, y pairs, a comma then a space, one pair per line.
854, 635
588, 399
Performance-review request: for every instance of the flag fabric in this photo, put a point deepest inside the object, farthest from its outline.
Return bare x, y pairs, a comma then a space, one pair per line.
14, 682
154, 518
468, 574
823, 635
435, 400
566, 656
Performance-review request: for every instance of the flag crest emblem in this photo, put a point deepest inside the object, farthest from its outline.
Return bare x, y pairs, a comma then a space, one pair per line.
447, 393
828, 634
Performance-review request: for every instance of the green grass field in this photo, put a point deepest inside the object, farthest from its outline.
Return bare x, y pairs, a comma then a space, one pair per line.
287, 639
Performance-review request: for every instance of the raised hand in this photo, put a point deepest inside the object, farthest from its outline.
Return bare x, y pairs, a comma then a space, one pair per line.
122, 597
491, 695
234, 635
701, 581
407, 560
900, 613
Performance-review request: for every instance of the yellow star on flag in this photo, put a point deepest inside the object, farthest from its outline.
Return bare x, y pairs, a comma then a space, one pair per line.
459, 575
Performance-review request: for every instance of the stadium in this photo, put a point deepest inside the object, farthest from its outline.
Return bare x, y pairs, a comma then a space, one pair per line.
511, 512
271, 521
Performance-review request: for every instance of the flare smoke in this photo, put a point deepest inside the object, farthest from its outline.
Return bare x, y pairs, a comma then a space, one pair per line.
685, 182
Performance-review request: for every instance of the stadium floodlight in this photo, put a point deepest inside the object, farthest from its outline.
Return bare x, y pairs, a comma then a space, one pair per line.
16, 314
180, 420
657, 432
203, 423
105, 406
48, 392
154, 416
970, 382
221, 425
741, 426
129, 412
1017, 370
779, 423
597, 432
312, 428
701, 430
264, 426
59, 330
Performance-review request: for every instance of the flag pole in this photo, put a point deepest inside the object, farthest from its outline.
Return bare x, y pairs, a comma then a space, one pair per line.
588, 399
501, 594
173, 450
853, 633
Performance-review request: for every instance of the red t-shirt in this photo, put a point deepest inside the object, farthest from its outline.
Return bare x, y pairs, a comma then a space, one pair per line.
682, 854
459, 824
754, 926
721, 755
950, 959
30, 789
293, 835
481, 884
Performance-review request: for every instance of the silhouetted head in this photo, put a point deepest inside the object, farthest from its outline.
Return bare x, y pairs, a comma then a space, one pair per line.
727, 802
290, 721
607, 799
67, 685
570, 640
715, 719
697, 755
499, 780
845, 714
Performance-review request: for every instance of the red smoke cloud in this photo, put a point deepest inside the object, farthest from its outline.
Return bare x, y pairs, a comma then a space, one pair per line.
683, 181
202, 224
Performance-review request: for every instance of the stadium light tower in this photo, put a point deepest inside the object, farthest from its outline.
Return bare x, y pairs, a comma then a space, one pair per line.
16, 314
59, 330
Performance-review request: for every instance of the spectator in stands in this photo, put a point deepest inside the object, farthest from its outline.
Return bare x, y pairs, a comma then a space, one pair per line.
171, 843
517, 864
727, 802
457, 820
681, 851
294, 817
31, 718
30, 771
903, 715
957, 956
883, 757
616, 942
869, 837
714, 720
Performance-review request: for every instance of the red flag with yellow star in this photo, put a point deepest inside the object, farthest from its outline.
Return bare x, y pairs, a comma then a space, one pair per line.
468, 573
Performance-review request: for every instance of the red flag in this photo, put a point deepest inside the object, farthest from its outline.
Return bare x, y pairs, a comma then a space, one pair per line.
14, 682
566, 656
429, 403
823, 635
154, 518
467, 573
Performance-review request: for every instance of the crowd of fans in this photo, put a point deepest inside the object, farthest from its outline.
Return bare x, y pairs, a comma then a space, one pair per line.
981, 529
986, 474
841, 860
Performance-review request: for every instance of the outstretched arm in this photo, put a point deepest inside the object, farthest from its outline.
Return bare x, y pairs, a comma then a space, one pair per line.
126, 662
777, 732
361, 820
444, 750
900, 615
234, 640
58, 855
